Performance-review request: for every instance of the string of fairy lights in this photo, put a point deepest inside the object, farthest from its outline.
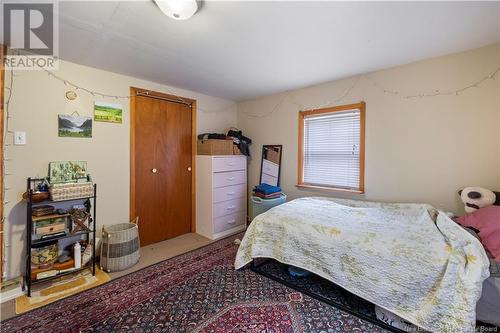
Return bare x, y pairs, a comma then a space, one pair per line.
7, 131
375, 83
94, 93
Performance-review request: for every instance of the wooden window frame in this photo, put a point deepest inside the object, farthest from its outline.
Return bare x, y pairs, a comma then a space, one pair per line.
300, 172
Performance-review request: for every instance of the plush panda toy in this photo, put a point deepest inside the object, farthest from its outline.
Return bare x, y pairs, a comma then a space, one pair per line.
478, 197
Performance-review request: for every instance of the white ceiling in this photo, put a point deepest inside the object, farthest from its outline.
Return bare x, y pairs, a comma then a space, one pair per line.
240, 50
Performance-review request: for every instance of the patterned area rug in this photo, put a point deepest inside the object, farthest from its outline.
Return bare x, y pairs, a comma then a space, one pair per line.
196, 292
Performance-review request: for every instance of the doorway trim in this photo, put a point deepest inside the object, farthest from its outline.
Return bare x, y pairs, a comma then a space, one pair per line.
134, 92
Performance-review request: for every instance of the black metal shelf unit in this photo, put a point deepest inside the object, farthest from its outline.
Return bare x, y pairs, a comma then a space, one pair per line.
34, 243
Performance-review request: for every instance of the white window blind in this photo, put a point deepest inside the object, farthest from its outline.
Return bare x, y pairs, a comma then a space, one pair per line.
332, 149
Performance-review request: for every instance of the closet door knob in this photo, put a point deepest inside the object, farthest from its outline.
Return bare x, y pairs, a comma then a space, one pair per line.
189, 169
154, 170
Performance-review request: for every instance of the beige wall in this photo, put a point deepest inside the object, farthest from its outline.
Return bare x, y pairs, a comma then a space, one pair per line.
38, 99
417, 150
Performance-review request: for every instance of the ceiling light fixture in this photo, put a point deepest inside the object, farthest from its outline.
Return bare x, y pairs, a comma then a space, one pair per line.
178, 9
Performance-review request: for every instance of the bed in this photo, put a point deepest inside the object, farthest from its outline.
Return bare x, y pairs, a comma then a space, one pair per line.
488, 306
409, 259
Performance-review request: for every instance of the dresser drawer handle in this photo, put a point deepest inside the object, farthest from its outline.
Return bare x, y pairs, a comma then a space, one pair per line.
231, 208
233, 221
231, 193
230, 163
230, 179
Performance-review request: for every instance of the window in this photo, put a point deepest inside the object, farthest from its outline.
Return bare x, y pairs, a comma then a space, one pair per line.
331, 148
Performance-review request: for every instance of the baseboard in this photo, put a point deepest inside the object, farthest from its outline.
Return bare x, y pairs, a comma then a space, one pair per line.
229, 232
11, 294
11, 289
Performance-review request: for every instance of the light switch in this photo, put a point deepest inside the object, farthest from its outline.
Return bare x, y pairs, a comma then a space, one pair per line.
19, 138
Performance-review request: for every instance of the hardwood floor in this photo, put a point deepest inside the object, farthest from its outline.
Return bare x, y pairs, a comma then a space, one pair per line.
150, 254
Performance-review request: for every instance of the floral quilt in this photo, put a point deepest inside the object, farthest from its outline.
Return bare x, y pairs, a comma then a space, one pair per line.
410, 259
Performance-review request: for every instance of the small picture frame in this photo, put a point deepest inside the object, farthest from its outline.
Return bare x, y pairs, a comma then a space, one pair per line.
67, 171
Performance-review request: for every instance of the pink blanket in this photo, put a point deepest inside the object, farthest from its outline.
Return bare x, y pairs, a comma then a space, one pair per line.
487, 221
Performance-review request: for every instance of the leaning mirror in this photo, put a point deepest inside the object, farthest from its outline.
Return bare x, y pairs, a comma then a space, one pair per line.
271, 164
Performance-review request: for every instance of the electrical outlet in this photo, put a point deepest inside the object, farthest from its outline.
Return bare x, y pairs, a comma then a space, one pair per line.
19, 138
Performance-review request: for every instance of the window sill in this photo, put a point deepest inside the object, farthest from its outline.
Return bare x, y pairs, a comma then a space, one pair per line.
333, 189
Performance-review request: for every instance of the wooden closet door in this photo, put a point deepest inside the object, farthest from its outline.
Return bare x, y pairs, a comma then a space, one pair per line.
163, 152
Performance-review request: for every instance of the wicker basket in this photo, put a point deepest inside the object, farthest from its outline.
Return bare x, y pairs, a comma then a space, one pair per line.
71, 191
120, 247
217, 147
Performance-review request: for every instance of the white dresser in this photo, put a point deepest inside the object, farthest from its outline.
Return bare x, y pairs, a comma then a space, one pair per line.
221, 195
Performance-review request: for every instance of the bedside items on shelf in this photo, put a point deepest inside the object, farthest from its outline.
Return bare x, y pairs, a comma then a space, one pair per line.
77, 255
45, 255
60, 240
79, 219
69, 180
42, 210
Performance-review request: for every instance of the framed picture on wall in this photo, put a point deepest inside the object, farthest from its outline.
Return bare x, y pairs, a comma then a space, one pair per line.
74, 126
108, 112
